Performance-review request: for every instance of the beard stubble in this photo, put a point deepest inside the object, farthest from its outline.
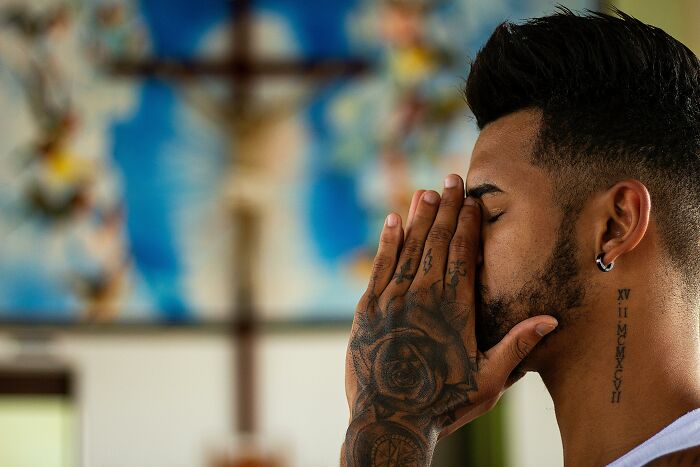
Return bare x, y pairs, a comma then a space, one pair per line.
557, 289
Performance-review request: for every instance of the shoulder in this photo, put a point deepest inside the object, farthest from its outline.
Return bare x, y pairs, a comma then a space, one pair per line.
685, 458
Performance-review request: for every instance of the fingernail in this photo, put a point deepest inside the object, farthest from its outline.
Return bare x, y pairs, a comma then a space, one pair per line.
543, 329
469, 201
392, 220
431, 197
451, 181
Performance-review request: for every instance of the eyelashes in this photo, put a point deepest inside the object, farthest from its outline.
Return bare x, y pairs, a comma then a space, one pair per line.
493, 219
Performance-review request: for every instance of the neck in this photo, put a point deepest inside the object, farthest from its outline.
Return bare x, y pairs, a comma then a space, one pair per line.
627, 375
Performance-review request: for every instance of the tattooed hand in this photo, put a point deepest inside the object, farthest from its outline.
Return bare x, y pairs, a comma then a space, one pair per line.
412, 367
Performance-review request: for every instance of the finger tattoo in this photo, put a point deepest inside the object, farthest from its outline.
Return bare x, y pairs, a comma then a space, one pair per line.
428, 261
403, 273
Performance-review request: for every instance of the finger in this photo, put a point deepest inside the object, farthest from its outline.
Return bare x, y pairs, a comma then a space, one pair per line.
463, 254
413, 245
414, 204
460, 273
436, 248
384, 264
505, 356
504, 360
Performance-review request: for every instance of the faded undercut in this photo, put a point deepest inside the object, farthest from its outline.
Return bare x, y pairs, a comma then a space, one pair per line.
619, 99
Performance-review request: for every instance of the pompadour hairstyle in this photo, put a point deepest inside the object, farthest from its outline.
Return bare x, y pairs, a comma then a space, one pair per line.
619, 99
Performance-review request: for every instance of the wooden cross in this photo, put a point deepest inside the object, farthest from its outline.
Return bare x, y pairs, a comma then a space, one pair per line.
243, 70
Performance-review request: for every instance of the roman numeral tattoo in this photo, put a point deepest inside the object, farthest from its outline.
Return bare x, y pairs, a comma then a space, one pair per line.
623, 296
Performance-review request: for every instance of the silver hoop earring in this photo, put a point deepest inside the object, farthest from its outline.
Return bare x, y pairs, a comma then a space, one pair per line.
601, 266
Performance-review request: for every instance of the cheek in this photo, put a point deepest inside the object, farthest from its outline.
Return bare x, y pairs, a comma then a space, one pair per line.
513, 253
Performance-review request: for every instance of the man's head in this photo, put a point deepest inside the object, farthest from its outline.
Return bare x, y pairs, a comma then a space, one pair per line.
583, 118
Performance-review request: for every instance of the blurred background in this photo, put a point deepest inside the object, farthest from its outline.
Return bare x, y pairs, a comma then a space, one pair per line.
190, 199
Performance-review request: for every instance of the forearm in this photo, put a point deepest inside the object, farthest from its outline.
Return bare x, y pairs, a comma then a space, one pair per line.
370, 441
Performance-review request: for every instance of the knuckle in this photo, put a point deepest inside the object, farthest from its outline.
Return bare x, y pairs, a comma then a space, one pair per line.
381, 264
440, 234
469, 214
385, 245
462, 246
447, 202
413, 248
389, 237
521, 348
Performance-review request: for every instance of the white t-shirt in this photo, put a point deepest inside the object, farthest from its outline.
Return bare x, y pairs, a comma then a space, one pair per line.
682, 434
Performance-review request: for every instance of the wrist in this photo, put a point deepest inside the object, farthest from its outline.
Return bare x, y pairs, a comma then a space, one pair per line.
390, 441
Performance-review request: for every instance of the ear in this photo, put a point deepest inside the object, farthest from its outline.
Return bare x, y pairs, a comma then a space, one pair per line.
624, 219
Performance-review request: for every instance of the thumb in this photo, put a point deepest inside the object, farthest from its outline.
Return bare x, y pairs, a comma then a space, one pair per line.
519, 341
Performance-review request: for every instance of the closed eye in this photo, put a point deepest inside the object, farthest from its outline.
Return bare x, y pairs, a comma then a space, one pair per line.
493, 219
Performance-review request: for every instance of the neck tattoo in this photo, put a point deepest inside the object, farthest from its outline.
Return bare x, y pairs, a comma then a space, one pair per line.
623, 296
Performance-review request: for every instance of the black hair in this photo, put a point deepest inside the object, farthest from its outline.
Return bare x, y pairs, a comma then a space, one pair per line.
618, 99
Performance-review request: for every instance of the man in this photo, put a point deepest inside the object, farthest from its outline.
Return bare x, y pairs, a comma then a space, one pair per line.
582, 223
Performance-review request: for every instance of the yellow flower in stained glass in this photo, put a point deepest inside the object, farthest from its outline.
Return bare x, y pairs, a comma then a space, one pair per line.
411, 65
66, 167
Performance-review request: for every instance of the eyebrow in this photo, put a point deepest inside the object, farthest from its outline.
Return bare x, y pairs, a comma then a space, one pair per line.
480, 190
